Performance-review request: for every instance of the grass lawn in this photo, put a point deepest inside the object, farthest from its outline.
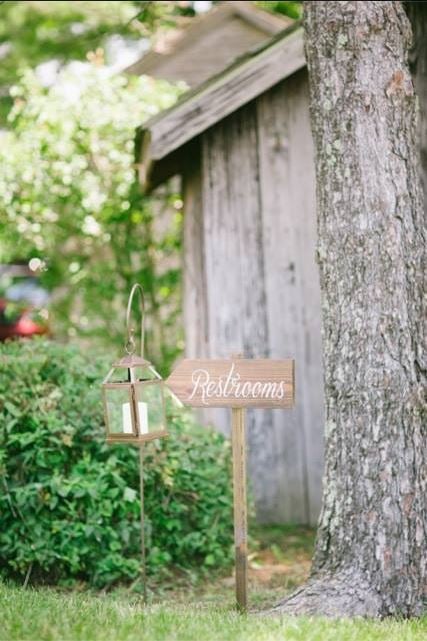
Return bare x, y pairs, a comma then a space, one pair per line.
201, 613
48, 615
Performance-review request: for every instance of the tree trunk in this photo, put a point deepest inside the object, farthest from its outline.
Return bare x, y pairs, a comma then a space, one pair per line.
370, 556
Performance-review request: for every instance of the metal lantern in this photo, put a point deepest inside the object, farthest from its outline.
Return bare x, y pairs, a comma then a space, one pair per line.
133, 392
134, 404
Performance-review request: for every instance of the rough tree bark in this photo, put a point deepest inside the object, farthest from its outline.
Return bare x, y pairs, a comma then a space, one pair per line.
370, 556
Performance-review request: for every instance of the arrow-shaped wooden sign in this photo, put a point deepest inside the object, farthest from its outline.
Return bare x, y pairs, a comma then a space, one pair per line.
237, 383
234, 383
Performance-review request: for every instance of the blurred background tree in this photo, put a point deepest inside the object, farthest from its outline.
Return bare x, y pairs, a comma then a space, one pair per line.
37, 32
69, 201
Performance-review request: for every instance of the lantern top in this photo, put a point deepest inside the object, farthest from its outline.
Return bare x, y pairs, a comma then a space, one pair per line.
131, 361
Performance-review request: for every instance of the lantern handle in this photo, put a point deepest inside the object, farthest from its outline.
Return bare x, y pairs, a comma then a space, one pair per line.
130, 342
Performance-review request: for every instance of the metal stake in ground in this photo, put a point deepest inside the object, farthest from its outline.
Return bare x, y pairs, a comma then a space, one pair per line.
141, 498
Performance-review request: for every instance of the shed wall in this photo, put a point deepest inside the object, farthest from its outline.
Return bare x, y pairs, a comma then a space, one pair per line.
251, 283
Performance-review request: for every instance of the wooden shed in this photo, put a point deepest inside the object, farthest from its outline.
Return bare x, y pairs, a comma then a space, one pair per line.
242, 144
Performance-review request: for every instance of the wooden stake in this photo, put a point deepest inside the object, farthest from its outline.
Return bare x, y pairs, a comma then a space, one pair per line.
240, 506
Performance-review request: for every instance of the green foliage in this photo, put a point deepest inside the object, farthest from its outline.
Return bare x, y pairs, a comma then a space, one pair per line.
37, 31
59, 32
69, 507
290, 9
69, 196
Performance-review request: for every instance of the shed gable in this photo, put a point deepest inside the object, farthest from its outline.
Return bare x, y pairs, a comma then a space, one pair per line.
210, 42
222, 95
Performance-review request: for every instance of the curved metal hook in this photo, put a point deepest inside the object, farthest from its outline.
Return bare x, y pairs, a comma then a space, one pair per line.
130, 343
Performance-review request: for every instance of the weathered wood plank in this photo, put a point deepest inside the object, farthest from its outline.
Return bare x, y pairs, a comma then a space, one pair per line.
257, 382
284, 322
235, 276
304, 200
194, 285
292, 289
202, 108
195, 294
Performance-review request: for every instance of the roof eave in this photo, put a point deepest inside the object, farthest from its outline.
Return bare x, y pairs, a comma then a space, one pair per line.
269, 22
220, 96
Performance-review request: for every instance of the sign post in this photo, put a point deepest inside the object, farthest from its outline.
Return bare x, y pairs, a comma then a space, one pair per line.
237, 383
238, 436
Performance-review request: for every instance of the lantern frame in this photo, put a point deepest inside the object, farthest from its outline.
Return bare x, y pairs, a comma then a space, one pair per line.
133, 386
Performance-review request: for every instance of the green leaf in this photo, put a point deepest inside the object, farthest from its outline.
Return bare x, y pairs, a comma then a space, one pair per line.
129, 494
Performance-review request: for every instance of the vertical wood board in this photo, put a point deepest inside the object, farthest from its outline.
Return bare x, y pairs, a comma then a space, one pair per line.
292, 286
235, 270
194, 285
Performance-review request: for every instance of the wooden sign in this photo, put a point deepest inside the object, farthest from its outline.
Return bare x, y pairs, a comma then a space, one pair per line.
237, 383
234, 383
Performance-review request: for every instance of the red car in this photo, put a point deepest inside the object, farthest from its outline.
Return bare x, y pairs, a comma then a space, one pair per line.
23, 302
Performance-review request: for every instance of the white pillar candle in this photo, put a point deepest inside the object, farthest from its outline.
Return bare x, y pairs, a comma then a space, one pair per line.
143, 418
127, 418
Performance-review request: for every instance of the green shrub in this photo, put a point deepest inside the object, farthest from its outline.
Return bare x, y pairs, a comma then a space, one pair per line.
69, 506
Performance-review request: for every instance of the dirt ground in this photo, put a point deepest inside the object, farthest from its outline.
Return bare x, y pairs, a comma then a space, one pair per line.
279, 561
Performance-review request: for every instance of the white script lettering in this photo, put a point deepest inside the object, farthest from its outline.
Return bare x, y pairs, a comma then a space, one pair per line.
231, 386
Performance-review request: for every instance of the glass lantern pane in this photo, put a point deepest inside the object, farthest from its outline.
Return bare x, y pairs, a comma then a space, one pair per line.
119, 375
150, 408
118, 407
144, 374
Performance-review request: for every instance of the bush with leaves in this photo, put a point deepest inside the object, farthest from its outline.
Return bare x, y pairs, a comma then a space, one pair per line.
69, 509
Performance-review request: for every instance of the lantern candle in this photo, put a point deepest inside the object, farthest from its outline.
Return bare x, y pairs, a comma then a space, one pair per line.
127, 418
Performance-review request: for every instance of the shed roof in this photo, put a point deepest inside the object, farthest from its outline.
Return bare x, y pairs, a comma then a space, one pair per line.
161, 138
205, 45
